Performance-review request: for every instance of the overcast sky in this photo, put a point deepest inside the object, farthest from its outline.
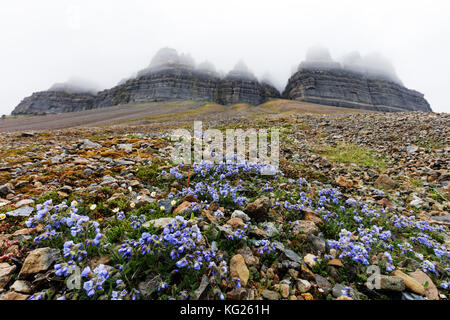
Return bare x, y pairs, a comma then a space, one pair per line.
104, 41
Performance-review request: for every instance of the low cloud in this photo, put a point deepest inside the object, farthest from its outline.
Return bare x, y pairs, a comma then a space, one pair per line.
373, 65
76, 85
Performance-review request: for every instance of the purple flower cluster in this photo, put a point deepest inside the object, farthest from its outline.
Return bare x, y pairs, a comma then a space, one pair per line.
64, 217
402, 222
174, 171
64, 269
125, 295
350, 248
74, 251
328, 195
347, 291
238, 234
137, 221
182, 242
389, 266
215, 192
266, 247
428, 266
41, 212
231, 167
96, 279
120, 215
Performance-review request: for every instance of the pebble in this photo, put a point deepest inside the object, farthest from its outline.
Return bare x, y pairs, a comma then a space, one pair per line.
240, 214
25, 202
431, 292
270, 295
291, 255
259, 209
390, 283
323, 284
410, 283
303, 285
158, 223
11, 295
310, 260
88, 144
39, 260
238, 269
21, 286
6, 271
22, 212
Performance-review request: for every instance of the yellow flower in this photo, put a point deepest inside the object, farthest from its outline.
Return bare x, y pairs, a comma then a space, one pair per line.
162, 208
307, 296
132, 205
2, 216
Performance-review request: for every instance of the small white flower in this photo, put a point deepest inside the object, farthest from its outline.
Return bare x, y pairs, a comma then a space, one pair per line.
162, 208
153, 194
132, 205
130, 188
116, 210
93, 207
139, 198
74, 203
2, 216
173, 202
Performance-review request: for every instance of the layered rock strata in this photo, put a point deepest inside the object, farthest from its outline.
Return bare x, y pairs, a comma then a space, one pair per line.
343, 88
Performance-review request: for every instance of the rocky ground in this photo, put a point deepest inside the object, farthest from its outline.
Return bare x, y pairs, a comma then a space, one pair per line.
102, 213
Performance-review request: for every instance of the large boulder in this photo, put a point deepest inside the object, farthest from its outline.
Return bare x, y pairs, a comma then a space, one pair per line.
6, 272
238, 269
259, 209
39, 260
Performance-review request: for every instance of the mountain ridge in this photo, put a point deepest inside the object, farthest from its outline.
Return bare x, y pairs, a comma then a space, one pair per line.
174, 77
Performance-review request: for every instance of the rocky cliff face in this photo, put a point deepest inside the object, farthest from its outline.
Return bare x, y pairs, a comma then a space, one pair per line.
326, 82
343, 88
169, 77
49, 102
172, 76
241, 86
175, 83
232, 91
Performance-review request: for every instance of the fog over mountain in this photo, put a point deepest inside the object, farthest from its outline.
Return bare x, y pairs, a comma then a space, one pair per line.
48, 41
207, 67
373, 65
76, 85
241, 72
268, 78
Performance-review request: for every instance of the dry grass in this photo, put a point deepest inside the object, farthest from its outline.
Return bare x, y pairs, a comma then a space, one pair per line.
292, 106
152, 112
